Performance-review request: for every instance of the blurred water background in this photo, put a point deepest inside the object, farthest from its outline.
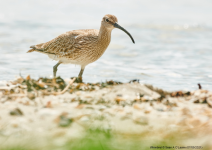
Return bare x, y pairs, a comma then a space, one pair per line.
172, 50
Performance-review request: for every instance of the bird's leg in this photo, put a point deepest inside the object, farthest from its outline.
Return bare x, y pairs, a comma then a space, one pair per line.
80, 74
55, 69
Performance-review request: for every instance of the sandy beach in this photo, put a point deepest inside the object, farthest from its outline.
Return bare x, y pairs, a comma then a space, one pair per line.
39, 114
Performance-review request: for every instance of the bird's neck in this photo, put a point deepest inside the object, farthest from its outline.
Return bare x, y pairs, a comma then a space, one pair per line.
104, 36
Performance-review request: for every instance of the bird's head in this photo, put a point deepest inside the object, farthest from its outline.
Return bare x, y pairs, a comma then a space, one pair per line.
111, 22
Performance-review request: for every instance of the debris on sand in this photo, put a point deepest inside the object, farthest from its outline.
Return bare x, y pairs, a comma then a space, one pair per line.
48, 107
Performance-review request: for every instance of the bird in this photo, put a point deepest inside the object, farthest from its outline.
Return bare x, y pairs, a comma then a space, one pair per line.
80, 47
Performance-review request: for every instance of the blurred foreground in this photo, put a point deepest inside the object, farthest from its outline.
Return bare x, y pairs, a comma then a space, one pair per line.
58, 114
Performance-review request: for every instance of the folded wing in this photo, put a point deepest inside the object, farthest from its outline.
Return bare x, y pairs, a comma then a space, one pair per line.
59, 45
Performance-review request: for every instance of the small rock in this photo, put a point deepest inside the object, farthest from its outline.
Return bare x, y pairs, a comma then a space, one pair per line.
48, 105
16, 112
31, 96
84, 119
63, 120
28, 77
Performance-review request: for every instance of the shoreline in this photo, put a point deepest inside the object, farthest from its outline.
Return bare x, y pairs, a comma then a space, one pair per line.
113, 111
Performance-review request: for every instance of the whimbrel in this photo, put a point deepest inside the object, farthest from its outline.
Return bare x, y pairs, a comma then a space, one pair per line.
80, 47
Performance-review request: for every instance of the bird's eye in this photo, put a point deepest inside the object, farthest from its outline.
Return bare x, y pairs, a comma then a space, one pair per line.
107, 20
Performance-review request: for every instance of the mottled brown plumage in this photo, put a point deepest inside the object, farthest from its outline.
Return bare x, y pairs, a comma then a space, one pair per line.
80, 47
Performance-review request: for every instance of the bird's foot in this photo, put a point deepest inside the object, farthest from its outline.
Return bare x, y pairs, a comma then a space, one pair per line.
78, 79
54, 80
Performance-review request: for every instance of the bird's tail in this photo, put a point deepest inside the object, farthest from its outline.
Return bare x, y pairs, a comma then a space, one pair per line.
35, 48
31, 50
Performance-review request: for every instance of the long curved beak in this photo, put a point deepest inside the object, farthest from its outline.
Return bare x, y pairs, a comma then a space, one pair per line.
121, 28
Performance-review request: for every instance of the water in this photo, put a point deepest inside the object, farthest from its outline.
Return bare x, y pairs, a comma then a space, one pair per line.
172, 47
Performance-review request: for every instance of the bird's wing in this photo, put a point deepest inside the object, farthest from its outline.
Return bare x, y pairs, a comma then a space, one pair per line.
60, 44
65, 43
